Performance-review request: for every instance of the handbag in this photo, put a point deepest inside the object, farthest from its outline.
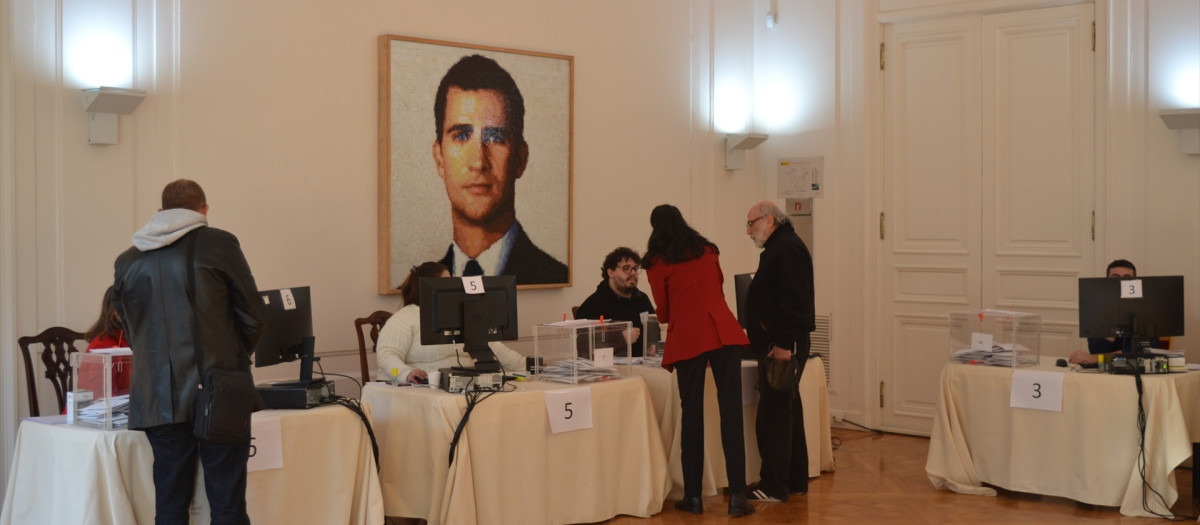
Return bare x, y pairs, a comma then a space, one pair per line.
226, 399
779, 375
224, 404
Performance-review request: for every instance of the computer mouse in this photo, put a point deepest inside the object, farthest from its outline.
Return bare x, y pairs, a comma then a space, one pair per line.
1061, 362
422, 380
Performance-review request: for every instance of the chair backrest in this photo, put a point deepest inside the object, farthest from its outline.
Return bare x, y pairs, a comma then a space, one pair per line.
54, 347
376, 321
574, 312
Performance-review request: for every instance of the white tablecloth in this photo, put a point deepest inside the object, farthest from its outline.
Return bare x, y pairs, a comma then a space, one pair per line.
664, 391
71, 475
1088, 452
509, 467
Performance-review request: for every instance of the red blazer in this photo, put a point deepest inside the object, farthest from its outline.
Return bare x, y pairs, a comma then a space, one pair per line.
691, 298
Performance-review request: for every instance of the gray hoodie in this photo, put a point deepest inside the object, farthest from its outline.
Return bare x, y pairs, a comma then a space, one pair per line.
166, 227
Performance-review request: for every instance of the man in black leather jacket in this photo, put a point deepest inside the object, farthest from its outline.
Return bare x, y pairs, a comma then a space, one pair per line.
177, 339
781, 316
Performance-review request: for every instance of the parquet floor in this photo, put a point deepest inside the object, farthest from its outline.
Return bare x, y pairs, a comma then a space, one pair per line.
881, 480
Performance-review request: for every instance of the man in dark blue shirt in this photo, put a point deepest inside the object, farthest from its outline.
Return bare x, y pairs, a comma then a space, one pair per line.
1119, 269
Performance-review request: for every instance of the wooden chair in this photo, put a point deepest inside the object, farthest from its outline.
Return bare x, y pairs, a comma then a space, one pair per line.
57, 345
574, 312
376, 321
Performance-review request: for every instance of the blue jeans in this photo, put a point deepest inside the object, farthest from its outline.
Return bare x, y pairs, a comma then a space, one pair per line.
175, 453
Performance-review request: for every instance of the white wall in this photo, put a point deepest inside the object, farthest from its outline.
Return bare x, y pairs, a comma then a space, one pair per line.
271, 105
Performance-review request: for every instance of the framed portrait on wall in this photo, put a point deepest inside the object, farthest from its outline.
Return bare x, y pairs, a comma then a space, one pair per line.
474, 161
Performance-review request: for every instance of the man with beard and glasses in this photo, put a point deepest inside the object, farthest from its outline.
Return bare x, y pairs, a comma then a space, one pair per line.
617, 297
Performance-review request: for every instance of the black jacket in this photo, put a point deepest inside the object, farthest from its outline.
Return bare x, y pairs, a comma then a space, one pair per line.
152, 300
604, 301
779, 303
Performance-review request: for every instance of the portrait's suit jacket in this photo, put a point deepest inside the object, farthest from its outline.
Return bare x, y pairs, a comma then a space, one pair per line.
526, 261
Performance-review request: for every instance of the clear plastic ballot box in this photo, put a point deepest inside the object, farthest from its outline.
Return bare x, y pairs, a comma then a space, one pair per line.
654, 338
995, 337
100, 397
581, 351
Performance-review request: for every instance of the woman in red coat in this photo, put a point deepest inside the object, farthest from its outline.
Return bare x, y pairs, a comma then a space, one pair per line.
108, 332
685, 276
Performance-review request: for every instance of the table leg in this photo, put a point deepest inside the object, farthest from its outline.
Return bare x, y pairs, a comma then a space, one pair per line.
1195, 471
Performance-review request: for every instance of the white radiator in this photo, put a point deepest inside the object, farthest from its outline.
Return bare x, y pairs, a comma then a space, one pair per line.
820, 341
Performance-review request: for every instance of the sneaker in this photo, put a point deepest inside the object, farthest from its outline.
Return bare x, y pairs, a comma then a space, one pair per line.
759, 495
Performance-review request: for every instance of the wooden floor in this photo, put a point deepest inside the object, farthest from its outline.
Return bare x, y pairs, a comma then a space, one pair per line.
880, 479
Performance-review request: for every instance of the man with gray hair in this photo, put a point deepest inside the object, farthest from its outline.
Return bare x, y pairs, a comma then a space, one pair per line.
780, 316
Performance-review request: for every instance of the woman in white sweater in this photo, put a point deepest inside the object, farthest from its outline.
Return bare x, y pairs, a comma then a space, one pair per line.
400, 347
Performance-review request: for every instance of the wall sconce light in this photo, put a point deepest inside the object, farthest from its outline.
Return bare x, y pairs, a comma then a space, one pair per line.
1187, 121
736, 146
103, 104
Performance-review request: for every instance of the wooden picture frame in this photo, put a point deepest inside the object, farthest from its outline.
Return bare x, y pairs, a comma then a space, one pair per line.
417, 222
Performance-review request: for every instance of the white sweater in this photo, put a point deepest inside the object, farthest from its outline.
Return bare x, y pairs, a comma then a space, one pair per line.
400, 347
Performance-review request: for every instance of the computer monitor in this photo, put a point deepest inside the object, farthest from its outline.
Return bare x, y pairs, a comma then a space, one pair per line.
286, 333
1103, 312
450, 315
741, 286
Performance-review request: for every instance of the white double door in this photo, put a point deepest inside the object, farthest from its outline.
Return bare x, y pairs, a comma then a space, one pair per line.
987, 187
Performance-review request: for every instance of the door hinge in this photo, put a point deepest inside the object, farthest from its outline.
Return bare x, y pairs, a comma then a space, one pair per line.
881, 48
881, 394
881, 225
1093, 36
1093, 225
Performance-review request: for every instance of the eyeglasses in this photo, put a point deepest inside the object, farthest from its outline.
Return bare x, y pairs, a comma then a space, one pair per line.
750, 223
630, 268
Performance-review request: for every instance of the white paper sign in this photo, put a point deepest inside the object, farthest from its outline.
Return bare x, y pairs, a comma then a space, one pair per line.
981, 341
289, 302
800, 177
266, 448
603, 357
1131, 289
569, 409
473, 284
1036, 390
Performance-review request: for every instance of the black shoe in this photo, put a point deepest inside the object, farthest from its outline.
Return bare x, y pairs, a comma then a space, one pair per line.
691, 504
738, 506
799, 491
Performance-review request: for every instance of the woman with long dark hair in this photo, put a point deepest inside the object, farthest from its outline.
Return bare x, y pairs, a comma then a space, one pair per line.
686, 279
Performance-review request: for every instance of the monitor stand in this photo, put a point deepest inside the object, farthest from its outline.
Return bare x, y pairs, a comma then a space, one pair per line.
305, 393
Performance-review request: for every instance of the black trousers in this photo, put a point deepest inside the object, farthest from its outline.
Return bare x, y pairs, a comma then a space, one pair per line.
175, 453
726, 365
780, 431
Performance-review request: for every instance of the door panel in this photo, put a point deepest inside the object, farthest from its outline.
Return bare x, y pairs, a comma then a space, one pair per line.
931, 204
1037, 163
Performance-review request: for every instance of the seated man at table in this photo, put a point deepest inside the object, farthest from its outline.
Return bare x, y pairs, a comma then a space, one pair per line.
617, 297
1119, 269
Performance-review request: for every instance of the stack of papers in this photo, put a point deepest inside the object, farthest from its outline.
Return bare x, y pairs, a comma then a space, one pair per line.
655, 361
94, 413
576, 370
999, 355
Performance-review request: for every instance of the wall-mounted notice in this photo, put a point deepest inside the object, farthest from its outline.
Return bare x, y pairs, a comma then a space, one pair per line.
801, 177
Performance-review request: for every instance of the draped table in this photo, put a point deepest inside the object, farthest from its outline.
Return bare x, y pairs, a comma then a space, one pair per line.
508, 466
1088, 452
67, 474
